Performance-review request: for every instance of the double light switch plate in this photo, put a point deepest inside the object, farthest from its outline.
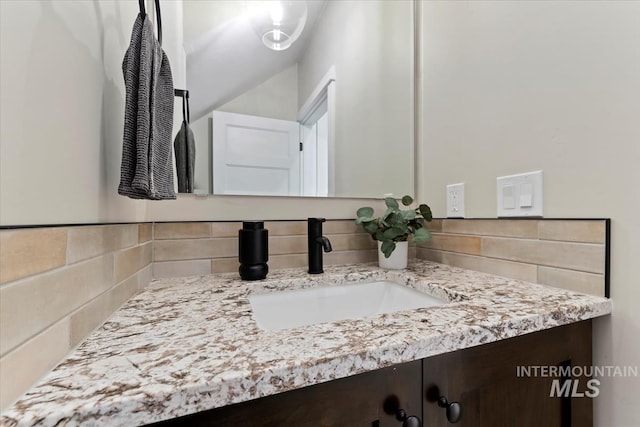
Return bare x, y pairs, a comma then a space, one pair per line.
520, 195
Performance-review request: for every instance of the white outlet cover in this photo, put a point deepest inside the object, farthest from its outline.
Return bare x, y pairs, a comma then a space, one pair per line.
520, 195
455, 200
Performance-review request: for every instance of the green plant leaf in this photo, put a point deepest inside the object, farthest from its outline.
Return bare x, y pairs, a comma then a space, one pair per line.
421, 235
364, 219
370, 227
388, 212
365, 211
395, 225
391, 203
394, 233
425, 211
388, 246
409, 215
397, 219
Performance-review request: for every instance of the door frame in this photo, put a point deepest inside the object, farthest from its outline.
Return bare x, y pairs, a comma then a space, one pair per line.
325, 90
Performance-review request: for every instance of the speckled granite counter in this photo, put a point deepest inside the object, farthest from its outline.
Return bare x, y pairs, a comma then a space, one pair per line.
190, 344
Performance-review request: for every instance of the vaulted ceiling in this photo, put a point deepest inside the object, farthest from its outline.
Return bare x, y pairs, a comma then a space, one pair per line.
225, 57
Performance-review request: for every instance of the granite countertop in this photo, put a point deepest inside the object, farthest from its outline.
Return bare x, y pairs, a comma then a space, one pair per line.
189, 344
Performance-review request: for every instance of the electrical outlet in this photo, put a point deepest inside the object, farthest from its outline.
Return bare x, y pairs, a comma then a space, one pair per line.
455, 200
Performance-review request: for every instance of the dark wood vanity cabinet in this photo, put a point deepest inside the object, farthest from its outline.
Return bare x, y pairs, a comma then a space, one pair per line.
483, 380
494, 392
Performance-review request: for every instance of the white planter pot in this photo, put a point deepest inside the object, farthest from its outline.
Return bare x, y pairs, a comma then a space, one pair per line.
398, 258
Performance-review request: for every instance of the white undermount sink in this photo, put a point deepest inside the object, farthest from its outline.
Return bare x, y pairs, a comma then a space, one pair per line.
300, 307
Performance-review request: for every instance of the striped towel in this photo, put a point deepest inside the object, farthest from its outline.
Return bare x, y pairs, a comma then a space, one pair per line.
147, 161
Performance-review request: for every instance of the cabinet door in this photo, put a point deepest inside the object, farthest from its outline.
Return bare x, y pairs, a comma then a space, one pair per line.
351, 401
485, 381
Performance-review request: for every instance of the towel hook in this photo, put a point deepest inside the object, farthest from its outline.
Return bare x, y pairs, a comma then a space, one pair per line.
159, 19
185, 103
143, 12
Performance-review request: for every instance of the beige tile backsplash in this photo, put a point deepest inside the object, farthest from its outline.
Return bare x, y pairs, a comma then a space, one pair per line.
572, 256
51, 296
283, 228
281, 245
57, 284
131, 260
456, 243
145, 232
181, 249
500, 228
569, 254
90, 241
31, 251
580, 281
190, 267
91, 315
184, 249
499, 267
573, 231
182, 230
24, 365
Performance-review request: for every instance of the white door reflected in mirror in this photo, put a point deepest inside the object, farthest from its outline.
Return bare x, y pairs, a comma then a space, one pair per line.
255, 155
260, 156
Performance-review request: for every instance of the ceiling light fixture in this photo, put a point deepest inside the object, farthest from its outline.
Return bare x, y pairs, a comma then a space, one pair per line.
278, 23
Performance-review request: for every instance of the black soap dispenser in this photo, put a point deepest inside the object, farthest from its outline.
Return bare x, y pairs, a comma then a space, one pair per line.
253, 250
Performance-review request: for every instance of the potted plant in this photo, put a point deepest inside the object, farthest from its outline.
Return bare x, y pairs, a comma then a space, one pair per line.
393, 228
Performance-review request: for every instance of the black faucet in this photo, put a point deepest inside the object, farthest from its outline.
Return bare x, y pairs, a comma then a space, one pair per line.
317, 243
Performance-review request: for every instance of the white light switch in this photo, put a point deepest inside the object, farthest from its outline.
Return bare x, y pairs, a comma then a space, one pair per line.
508, 197
520, 195
526, 195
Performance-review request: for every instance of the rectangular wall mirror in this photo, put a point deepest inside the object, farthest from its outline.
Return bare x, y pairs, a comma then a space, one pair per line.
331, 115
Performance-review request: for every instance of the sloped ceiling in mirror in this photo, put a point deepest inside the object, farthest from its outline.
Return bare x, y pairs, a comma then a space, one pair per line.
225, 57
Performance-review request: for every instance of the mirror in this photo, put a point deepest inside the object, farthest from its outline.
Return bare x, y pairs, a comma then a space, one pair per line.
330, 116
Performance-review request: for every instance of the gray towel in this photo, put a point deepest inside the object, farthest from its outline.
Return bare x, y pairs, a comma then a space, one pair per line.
185, 149
147, 161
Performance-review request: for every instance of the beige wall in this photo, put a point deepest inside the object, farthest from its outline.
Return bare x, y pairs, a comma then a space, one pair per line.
370, 45
62, 108
511, 87
203, 15
275, 98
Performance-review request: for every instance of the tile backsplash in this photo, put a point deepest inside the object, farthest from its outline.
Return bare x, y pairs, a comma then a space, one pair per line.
57, 284
187, 248
569, 254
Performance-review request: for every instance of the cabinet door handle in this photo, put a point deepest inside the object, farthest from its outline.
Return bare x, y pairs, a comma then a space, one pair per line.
454, 409
391, 406
408, 421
